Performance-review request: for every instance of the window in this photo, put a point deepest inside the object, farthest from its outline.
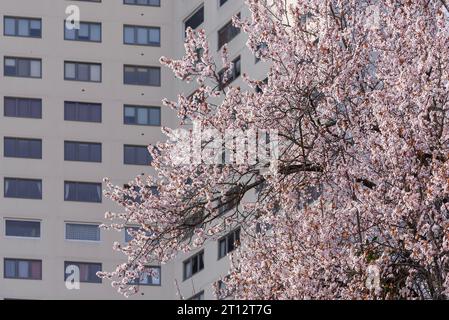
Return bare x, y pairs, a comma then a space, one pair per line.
198, 296
82, 71
88, 271
227, 33
260, 51
193, 265
136, 196
138, 155
142, 75
22, 228
22, 269
82, 151
140, 115
22, 67
85, 232
196, 19
259, 88
22, 148
88, 31
222, 2
22, 107
22, 188
129, 237
235, 73
144, 36
22, 27
82, 191
152, 3
151, 276
82, 111
228, 243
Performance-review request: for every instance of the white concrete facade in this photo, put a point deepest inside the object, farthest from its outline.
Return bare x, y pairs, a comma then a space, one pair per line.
52, 210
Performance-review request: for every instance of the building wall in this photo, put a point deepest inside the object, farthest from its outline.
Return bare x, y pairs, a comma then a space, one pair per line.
52, 210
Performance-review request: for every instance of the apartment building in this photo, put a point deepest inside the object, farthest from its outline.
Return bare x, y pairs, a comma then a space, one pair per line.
80, 105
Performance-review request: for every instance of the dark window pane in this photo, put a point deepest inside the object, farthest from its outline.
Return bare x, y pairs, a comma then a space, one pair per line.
138, 155
143, 156
18, 228
95, 152
36, 109
83, 112
193, 265
22, 188
201, 261
83, 72
69, 151
82, 191
23, 68
141, 75
95, 113
222, 248
155, 117
69, 111
87, 232
83, 151
23, 148
23, 107
9, 147
196, 19
79, 111
130, 115
10, 66
10, 107
155, 77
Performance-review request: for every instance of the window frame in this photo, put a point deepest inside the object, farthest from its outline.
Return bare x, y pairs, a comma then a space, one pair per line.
23, 179
82, 223
16, 140
89, 23
136, 108
148, 44
138, 283
77, 183
17, 104
90, 144
234, 76
17, 59
143, 5
195, 11
225, 238
16, 260
227, 29
135, 154
190, 260
149, 68
5, 220
89, 64
77, 110
16, 24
